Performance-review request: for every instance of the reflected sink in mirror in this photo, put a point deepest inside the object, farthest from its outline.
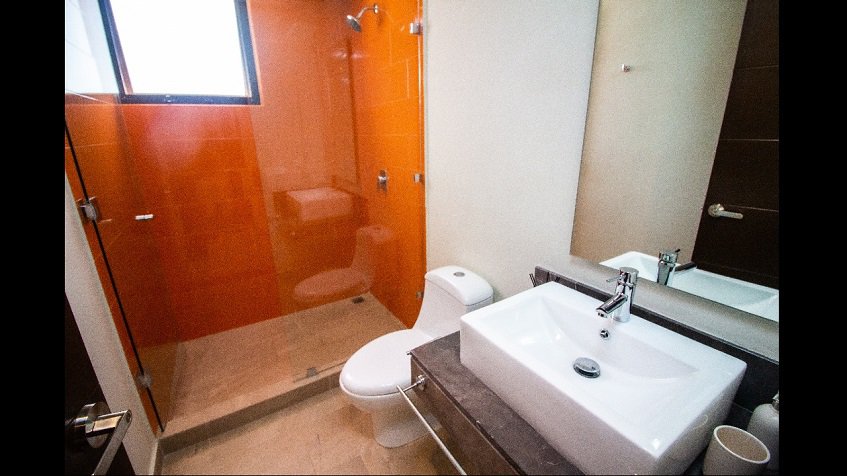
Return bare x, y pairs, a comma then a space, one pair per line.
749, 297
652, 407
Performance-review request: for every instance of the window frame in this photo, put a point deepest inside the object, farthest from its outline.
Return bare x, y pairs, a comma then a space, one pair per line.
122, 75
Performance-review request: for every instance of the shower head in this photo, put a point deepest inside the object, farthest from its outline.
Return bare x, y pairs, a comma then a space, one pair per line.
355, 21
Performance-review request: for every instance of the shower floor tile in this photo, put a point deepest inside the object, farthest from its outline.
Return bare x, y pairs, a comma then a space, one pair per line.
225, 372
323, 434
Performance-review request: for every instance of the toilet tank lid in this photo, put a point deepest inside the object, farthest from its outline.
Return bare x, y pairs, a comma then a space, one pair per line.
464, 285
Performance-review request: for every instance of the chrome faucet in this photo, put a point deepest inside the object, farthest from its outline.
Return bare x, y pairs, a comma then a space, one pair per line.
618, 306
667, 264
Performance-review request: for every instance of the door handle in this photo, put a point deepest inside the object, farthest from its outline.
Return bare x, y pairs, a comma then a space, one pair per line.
718, 211
94, 426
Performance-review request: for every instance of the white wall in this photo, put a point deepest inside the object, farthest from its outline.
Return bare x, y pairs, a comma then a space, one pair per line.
506, 91
92, 314
651, 133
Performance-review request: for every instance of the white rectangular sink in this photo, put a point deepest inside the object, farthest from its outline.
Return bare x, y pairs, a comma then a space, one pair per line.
651, 409
750, 297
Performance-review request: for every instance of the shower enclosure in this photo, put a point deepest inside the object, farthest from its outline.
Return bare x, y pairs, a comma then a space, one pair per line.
247, 251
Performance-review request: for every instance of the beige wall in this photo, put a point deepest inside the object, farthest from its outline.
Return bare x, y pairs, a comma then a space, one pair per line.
651, 133
506, 91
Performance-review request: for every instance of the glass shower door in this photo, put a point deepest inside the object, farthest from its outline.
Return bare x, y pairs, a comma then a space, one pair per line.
119, 225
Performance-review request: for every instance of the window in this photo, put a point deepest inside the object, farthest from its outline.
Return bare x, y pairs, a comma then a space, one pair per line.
182, 51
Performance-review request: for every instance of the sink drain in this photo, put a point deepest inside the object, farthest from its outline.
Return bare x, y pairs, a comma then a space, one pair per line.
586, 367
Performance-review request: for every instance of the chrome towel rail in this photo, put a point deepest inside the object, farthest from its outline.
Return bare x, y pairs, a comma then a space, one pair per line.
422, 381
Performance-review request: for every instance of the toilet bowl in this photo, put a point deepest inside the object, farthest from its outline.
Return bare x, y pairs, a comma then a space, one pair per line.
369, 378
331, 285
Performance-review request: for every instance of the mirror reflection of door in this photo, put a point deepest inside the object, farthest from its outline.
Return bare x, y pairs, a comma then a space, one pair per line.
745, 174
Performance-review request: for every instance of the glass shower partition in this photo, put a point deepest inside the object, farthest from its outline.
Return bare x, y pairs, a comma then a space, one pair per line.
250, 246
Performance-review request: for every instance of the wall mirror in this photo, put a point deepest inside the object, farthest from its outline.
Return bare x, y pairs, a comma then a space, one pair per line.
683, 114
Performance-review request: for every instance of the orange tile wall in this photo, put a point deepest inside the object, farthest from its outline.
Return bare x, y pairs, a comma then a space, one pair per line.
99, 142
388, 120
303, 132
216, 176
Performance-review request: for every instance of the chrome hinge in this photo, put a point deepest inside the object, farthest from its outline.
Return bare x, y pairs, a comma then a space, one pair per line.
417, 177
382, 180
144, 379
419, 294
415, 28
89, 209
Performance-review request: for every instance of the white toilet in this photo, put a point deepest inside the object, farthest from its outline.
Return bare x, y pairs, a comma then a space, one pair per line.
370, 376
372, 243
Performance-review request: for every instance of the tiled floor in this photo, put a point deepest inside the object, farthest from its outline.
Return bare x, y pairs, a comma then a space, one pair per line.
222, 373
324, 434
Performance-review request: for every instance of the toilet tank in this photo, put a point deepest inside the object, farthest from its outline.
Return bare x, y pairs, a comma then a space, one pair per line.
449, 293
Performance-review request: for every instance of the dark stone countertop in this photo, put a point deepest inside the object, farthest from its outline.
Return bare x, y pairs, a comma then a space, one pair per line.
517, 441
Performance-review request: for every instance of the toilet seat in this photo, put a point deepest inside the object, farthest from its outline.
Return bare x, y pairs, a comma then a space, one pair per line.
332, 284
381, 364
